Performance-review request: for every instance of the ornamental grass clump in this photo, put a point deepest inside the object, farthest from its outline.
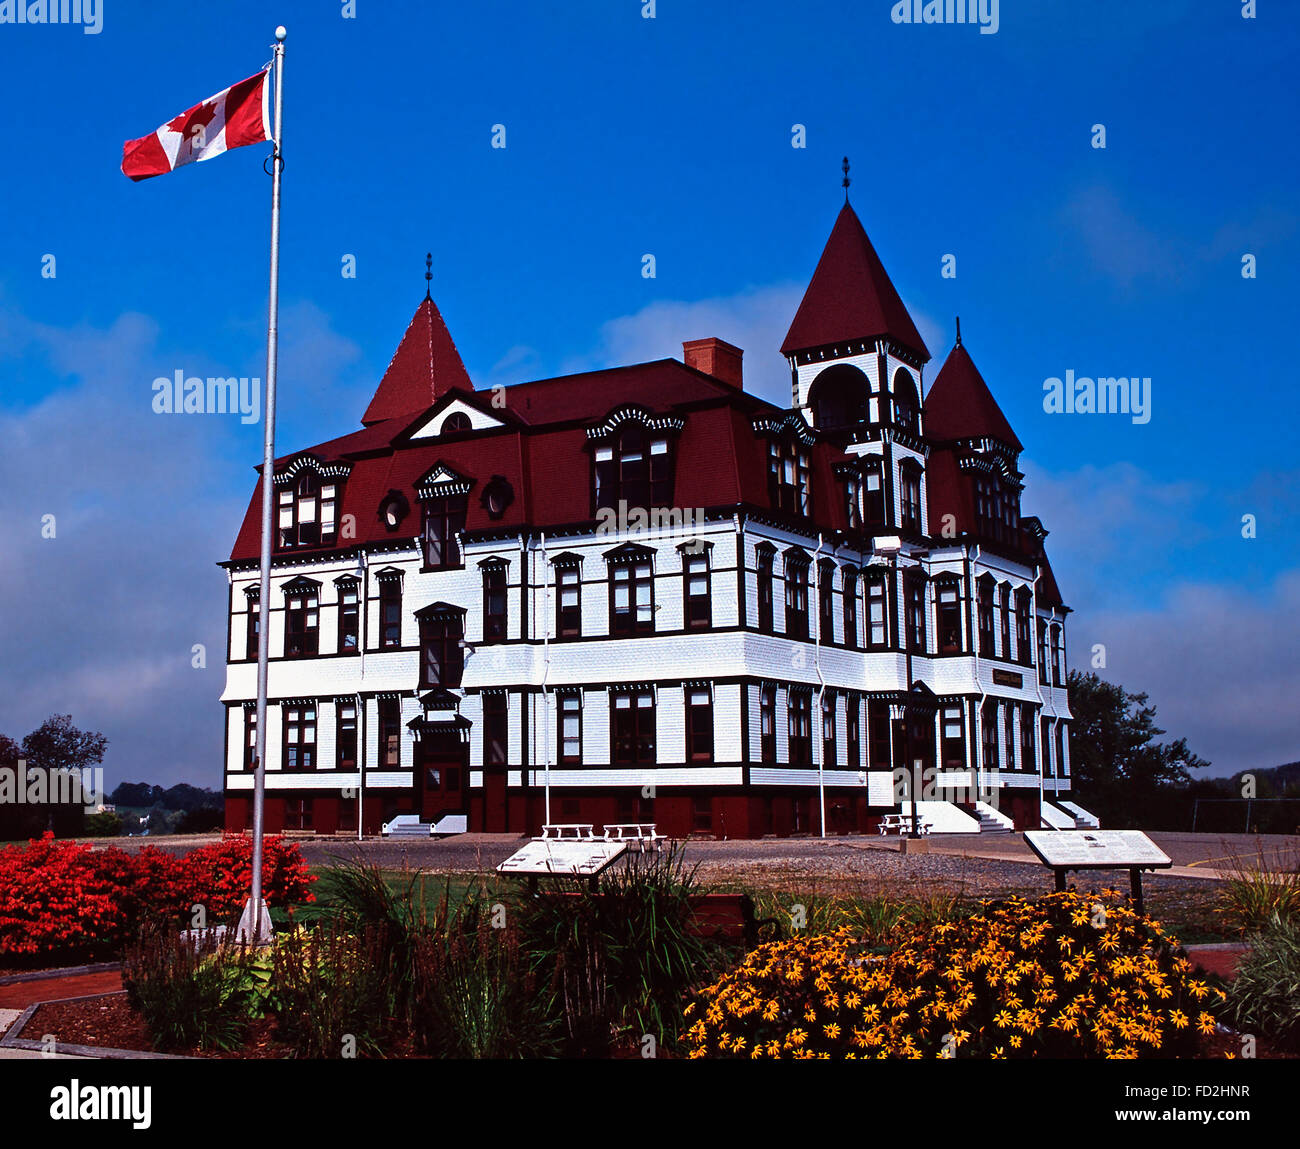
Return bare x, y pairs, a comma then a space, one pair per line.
1264, 996
1068, 975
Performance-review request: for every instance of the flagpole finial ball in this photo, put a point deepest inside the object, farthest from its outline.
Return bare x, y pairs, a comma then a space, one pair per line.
281, 32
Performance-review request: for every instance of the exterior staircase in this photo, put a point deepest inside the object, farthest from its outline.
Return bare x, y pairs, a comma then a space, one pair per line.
407, 826
991, 822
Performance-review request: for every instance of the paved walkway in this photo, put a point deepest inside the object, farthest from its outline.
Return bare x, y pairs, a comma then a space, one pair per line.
19, 995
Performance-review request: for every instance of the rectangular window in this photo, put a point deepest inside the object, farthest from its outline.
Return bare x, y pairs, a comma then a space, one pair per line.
873, 495
765, 594
250, 737
254, 618
302, 626
916, 615
1044, 728
767, 723
390, 612
390, 733
877, 611
853, 731
306, 512
1009, 733
910, 493
633, 728
796, 600
695, 571
442, 661
699, 724
853, 502
496, 729
1043, 657
345, 737
953, 738
985, 611
348, 814
1024, 640
349, 617
851, 610
1006, 621
878, 734
444, 519
949, 618
1062, 762
300, 737
494, 603
1028, 758
989, 734
830, 753
800, 727
826, 601
1058, 658
632, 608
568, 602
570, 718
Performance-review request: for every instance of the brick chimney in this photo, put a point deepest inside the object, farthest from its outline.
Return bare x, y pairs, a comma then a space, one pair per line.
715, 357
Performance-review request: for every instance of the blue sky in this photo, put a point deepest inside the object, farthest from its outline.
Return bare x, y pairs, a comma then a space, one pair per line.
669, 136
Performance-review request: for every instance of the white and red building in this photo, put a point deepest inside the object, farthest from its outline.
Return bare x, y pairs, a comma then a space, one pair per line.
643, 594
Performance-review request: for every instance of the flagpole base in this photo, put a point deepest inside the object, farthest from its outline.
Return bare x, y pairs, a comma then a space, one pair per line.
244, 933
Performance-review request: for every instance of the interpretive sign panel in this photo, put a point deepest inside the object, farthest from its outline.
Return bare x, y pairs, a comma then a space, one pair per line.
1097, 849
571, 858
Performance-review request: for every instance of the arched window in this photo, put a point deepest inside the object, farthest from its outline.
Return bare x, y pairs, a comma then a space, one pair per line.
907, 404
838, 397
456, 421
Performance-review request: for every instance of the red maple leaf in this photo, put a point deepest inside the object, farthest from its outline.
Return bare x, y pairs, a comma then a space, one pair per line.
194, 122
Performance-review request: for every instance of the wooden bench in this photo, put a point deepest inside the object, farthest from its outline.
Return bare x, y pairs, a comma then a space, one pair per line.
728, 917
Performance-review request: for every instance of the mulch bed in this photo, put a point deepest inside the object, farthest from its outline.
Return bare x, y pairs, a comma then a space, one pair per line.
110, 1023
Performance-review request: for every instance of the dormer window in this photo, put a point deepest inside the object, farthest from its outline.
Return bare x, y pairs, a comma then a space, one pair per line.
308, 511
789, 481
634, 467
393, 509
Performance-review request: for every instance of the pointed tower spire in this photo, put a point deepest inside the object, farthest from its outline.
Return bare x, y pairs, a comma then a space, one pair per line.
850, 296
846, 179
961, 406
425, 366
959, 331
428, 275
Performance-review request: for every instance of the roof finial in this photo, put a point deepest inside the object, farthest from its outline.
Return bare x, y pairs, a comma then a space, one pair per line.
428, 274
845, 166
959, 331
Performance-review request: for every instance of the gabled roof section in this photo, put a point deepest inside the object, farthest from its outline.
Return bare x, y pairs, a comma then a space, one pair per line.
850, 296
425, 365
961, 406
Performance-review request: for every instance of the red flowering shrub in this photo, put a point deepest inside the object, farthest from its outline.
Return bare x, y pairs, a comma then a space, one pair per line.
59, 898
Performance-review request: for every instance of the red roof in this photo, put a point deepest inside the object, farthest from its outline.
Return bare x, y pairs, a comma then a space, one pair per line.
425, 365
850, 296
961, 406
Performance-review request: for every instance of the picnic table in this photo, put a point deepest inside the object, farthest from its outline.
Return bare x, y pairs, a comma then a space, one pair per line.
642, 834
901, 824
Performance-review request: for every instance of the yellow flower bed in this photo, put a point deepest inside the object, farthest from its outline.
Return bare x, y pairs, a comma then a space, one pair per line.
1066, 975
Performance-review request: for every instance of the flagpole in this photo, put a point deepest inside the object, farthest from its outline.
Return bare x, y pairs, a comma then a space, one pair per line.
254, 910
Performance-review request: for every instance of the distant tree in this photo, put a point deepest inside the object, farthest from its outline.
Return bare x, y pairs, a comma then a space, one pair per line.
200, 821
140, 794
1116, 763
104, 825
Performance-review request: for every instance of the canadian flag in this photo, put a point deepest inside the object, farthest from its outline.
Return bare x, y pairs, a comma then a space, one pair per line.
240, 115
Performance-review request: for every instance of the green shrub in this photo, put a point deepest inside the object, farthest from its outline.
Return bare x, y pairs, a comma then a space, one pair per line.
619, 957
1254, 893
191, 995
1264, 996
333, 991
473, 995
